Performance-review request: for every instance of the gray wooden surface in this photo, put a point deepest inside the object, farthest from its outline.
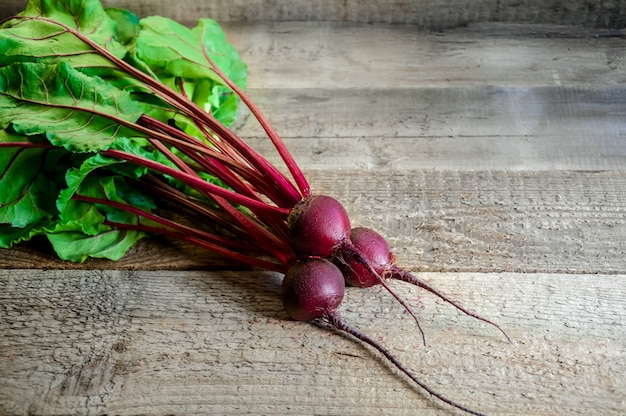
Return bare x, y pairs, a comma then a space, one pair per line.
492, 156
433, 14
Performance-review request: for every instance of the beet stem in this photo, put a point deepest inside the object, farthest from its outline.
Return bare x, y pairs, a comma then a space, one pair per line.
334, 320
248, 224
223, 163
207, 245
161, 188
188, 107
211, 242
400, 274
179, 228
284, 153
199, 184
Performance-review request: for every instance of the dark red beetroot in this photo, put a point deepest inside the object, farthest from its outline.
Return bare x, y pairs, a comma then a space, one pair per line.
312, 288
375, 250
317, 226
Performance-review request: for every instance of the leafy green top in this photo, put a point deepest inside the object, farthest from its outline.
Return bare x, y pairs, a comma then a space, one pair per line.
62, 103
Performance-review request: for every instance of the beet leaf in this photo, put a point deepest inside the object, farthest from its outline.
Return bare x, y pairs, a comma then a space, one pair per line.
77, 80
28, 175
73, 110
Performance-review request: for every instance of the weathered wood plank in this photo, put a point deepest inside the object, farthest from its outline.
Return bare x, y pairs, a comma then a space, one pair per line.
334, 55
488, 221
447, 128
428, 14
463, 112
218, 343
492, 221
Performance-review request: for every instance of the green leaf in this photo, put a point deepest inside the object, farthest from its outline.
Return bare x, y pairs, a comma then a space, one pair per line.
127, 24
81, 233
78, 112
10, 236
76, 177
226, 110
82, 230
225, 55
175, 52
43, 41
216, 98
96, 177
173, 49
88, 16
77, 247
81, 217
78, 229
28, 182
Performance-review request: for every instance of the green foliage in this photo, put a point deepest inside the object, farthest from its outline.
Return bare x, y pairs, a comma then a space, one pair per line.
63, 102
37, 40
73, 110
27, 179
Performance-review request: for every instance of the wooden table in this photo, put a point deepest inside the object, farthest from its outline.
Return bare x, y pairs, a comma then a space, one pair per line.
492, 156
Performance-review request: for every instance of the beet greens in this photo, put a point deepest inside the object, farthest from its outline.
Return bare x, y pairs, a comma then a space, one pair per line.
108, 122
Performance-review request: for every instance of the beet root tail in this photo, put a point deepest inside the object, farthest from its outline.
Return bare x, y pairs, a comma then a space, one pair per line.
403, 275
335, 321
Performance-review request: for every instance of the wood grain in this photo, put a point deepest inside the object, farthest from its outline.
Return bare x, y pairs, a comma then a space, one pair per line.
218, 343
439, 14
347, 55
455, 128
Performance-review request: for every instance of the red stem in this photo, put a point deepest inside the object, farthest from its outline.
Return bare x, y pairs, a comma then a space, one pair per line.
199, 184
284, 153
191, 145
215, 215
210, 165
217, 243
262, 235
216, 248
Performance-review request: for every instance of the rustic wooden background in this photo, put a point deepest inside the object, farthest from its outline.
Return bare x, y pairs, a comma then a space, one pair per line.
490, 150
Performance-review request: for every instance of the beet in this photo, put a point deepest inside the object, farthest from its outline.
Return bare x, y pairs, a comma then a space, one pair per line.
375, 250
312, 288
318, 225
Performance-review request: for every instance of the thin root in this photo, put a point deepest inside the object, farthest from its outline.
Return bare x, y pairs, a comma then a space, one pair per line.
334, 320
399, 274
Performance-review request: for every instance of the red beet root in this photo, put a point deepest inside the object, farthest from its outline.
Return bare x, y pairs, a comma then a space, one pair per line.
317, 226
311, 289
